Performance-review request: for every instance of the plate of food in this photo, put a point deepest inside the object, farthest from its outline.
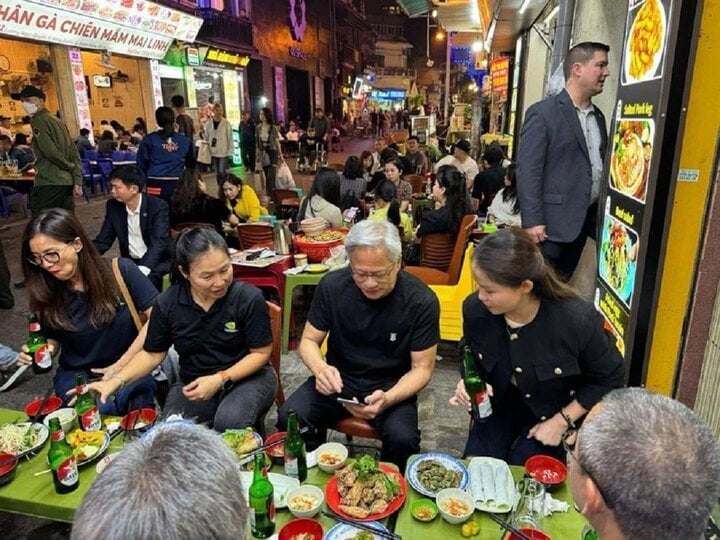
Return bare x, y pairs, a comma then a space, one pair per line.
366, 490
242, 441
18, 438
88, 445
281, 486
434, 471
630, 159
316, 268
646, 42
492, 485
345, 531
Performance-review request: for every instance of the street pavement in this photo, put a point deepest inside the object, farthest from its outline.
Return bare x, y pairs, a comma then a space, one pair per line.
444, 428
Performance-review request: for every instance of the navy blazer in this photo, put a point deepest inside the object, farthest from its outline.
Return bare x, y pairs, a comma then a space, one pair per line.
554, 174
154, 225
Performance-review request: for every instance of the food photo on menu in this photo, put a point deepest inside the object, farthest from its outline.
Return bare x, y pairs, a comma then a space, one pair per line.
618, 257
630, 160
645, 47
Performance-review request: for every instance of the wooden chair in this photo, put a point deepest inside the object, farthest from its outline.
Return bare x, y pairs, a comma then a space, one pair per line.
432, 251
280, 194
416, 181
251, 234
306, 183
339, 167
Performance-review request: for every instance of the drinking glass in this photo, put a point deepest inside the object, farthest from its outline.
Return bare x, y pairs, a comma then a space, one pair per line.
530, 509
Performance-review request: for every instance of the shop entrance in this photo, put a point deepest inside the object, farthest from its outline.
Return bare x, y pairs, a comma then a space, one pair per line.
298, 96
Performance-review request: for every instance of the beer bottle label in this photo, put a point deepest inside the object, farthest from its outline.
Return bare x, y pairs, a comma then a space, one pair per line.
58, 435
67, 472
34, 326
90, 420
42, 357
483, 404
291, 466
271, 508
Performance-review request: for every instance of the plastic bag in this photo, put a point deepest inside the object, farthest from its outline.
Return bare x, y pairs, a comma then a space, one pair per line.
204, 155
284, 178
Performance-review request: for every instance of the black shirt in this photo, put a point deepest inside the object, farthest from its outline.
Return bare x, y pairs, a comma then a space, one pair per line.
204, 209
178, 320
370, 341
93, 347
434, 221
486, 184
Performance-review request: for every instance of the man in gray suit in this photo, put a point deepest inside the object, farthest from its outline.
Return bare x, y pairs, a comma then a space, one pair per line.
560, 160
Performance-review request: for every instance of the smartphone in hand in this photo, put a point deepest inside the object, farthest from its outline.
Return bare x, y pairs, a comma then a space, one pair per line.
353, 401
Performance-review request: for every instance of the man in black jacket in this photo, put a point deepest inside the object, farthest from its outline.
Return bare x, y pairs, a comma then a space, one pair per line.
140, 223
247, 141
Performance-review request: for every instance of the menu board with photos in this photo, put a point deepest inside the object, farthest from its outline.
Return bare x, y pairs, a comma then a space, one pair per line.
628, 192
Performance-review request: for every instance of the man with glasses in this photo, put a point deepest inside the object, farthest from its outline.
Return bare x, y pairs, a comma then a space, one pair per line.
644, 467
383, 327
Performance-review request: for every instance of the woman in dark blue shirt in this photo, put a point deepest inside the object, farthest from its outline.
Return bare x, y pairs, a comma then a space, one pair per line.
75, 295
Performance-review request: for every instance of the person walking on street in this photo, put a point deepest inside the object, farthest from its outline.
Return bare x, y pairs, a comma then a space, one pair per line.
58, 174
163, 155
560, 160
247, 140
268, 148
218, 133
182, 119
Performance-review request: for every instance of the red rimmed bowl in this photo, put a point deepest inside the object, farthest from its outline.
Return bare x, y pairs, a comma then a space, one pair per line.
139, 419
547, 470
301, 526
530, 533
51, 405
276, 453
7, 471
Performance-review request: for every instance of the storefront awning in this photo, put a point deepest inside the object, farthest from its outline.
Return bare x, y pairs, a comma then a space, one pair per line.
140, 29
414, 8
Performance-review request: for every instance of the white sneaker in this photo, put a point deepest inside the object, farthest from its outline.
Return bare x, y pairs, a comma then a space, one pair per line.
14, 377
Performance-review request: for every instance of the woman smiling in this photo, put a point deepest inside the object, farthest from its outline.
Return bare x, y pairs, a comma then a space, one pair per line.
221, 331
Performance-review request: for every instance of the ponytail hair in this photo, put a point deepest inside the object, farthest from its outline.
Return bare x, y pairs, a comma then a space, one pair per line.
165, 118
387, 191
510, 256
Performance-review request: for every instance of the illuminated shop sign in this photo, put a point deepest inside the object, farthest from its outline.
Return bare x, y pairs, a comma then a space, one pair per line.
388, 94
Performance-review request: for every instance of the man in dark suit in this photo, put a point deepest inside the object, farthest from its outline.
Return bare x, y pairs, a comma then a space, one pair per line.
560, 160
140, 223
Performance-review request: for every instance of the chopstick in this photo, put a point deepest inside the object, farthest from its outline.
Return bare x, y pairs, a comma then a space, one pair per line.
270, 445
505, 525
363, 526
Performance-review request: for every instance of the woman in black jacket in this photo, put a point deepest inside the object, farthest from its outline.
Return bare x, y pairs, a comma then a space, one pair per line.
191, 204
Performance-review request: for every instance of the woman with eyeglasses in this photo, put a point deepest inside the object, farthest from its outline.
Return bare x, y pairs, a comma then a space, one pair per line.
221, 331
82, 312
543, 351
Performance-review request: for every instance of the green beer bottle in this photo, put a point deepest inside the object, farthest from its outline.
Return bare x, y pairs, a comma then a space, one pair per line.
38, 347
262, 504
295, 459
476, 388
62, 460
87, 412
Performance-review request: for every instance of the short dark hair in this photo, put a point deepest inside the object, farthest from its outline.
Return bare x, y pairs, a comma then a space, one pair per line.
412, 138
5, 138
493, 155
177, 101
20, 138
84, 132
582, 53
353, 168
130, 175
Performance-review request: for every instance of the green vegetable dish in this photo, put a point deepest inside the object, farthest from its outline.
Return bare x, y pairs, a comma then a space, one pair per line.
434, 476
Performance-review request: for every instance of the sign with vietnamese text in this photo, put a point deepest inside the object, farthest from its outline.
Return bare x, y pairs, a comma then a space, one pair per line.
134, 28
388, 94
500, 75
81, 91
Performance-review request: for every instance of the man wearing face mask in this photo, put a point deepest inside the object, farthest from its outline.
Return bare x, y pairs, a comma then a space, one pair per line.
58, 174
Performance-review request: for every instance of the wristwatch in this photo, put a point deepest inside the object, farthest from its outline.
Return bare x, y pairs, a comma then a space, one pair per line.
227, 382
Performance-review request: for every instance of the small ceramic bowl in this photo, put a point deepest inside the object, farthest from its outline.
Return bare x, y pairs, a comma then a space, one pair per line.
424, 510
298, 527
305, 501
547, 470
277, 452
331, 456
66, 415
458, 498
53, 403
7, 472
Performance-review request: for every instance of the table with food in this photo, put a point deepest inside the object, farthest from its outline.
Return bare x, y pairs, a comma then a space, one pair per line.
337, 497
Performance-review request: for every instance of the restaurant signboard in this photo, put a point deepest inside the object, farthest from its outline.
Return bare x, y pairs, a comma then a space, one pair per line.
500, 76
631, 176
135, 28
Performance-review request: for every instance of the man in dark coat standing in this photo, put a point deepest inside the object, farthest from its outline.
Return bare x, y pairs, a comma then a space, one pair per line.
247, 141
560, 160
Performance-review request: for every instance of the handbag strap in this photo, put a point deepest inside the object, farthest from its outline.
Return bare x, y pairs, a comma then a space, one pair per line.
126, 294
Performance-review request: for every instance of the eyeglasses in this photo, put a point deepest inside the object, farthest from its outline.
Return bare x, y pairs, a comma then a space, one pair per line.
50, 257
377, 276
570, 452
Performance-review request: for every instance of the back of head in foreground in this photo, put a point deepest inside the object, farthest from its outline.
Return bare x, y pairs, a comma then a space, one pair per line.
178, 482
656, 463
